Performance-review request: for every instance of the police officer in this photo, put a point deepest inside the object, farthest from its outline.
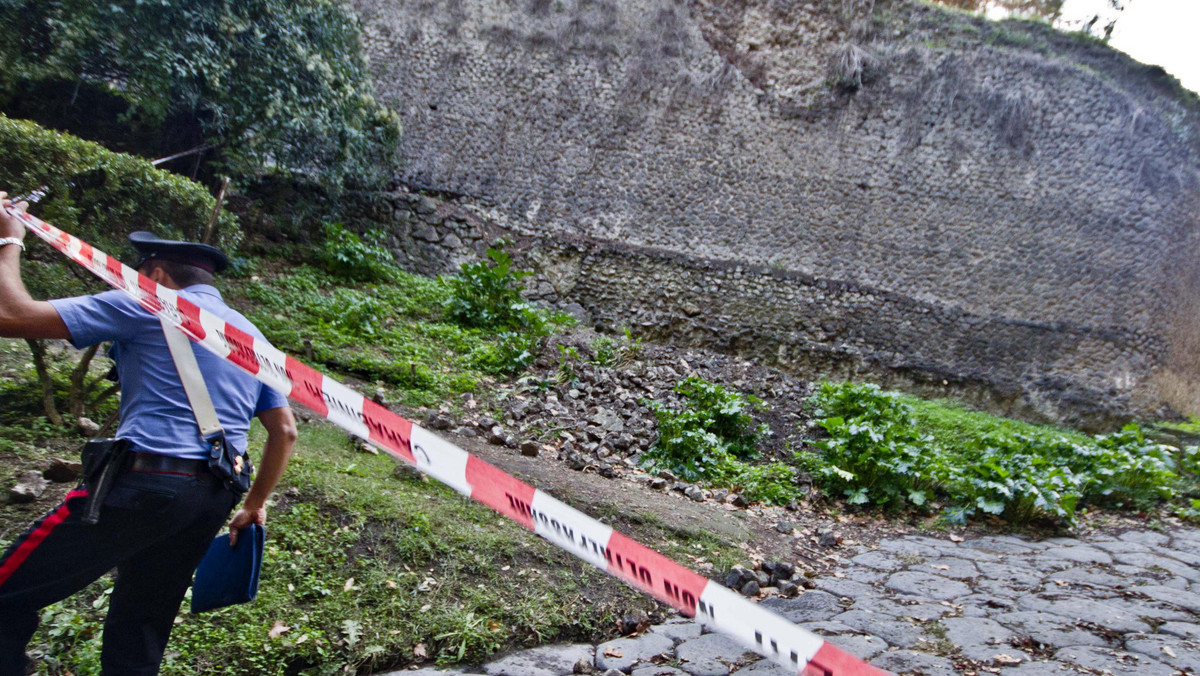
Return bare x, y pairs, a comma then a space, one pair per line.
165, 507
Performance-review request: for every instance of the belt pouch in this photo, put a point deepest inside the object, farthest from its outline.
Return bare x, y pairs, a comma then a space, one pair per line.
227, 465
102, 461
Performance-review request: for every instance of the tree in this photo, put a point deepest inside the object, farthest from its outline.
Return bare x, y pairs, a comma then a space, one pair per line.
275, 85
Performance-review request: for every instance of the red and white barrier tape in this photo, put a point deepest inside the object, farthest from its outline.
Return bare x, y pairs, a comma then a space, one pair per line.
691, 593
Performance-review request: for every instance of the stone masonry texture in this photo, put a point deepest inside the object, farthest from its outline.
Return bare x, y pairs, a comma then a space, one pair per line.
854, 187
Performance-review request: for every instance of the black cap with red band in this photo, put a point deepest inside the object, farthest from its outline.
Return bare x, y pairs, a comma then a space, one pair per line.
203, 256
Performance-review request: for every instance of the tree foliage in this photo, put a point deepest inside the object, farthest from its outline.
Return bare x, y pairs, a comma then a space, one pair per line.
277, 85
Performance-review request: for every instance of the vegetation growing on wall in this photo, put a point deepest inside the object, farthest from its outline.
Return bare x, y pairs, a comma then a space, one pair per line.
277, 85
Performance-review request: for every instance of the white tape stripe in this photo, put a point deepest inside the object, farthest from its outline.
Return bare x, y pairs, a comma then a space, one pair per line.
345, 407
570, 529
441, 460
758, 628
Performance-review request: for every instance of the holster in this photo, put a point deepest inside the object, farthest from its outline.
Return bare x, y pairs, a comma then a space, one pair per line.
102, 461
233, 469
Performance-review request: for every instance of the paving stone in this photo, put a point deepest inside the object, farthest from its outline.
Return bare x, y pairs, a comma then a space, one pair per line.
859, 645
923, 612
1009, 573
658, 671
969, 554
865, 575
1181, 654
927, 586
812, 605
1039, 669
828, 628
765, 668
1079, 554
980, 638
1151, 561
1120, 546
1049, 630
1180, 556
955, 568
623, 653
878, 561
1116, 662
678, 629
847, 588
1075, 609
908, 548
1000, 545
709, 655
1176, 597
912, 662
555, 660
1091, 577
896, 632
1144, 537
1186, 630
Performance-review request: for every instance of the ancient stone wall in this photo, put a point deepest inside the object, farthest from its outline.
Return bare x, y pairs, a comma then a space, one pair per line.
911, 191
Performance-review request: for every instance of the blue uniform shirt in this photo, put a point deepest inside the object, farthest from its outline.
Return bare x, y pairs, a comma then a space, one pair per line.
155, 414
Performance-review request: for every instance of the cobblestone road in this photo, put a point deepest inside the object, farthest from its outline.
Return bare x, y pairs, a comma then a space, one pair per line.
920, 605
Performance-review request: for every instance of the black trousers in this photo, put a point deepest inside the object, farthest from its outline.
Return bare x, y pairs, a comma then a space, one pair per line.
154, 529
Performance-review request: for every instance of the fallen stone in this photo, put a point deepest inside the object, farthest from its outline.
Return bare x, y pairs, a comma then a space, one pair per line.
695, 493
658, 483
87, 427
751, 588
439, 421
556, 660
828, 539
785, 527
530, 448
29, 487
496, 435
63, 471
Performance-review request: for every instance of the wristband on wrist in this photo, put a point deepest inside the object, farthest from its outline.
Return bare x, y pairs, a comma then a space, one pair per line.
4, 241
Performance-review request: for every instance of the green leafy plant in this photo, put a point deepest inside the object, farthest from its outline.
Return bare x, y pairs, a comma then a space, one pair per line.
345, 254
702, 440
487, 294
873, 452
1006, 480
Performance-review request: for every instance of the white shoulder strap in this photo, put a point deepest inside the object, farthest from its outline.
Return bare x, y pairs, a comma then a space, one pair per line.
193, 381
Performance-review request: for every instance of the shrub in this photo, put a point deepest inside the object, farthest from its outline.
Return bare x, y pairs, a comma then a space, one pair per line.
102, 196
873, 452
346, 255
702, 440
278, 85
1009, 480
487, 295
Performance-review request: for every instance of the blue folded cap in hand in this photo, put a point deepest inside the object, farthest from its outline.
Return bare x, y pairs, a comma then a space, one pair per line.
229, 575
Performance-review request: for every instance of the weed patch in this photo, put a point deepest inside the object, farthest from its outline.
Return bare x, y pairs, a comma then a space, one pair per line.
885, 449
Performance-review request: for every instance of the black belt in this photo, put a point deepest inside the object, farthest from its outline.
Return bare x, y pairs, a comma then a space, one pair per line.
156, 463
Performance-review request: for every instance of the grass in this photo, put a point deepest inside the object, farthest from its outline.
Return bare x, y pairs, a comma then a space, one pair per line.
956, 426
389, 332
